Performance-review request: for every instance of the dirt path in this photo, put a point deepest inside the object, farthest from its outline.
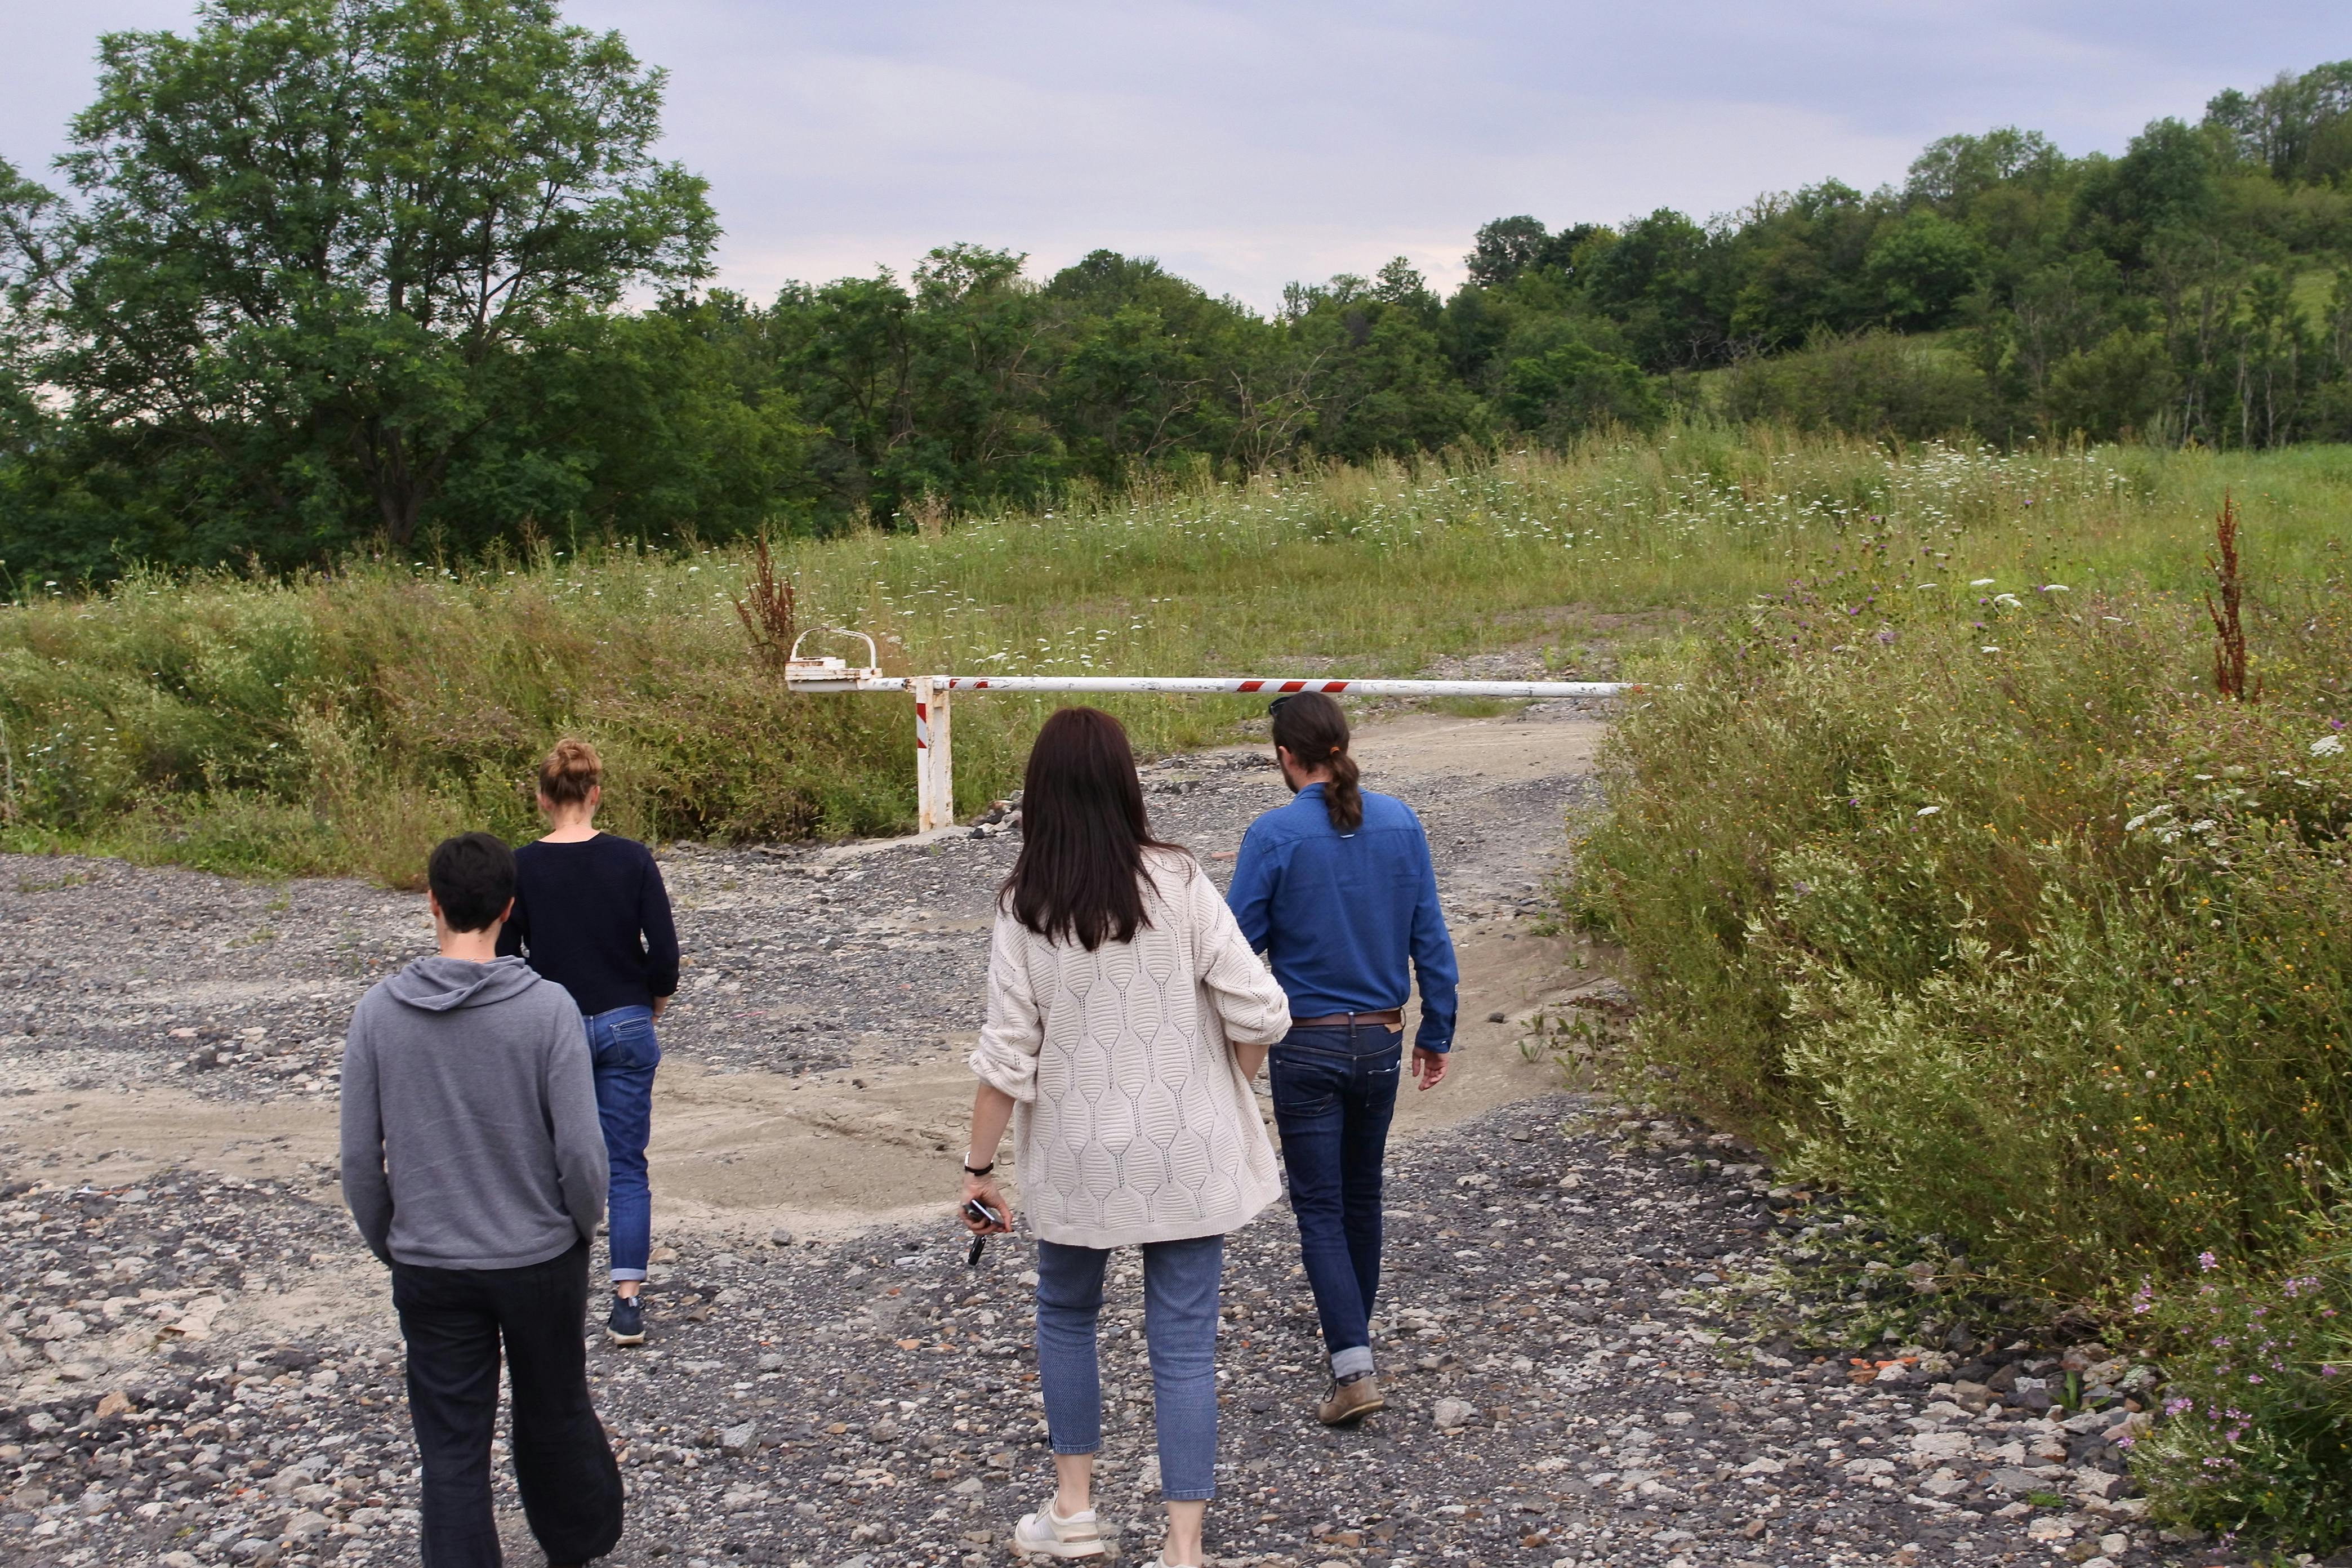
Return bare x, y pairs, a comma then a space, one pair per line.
198, 1367
793, 1093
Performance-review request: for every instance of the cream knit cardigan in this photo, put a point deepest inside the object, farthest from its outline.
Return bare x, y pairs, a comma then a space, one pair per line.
1133, 1121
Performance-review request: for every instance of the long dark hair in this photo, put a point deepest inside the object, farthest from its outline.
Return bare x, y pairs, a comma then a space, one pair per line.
1313, 730
1083, 834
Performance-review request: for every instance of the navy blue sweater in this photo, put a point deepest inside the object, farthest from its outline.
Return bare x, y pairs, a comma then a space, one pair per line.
594, 917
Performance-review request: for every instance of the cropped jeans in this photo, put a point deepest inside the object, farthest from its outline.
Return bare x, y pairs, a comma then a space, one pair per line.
1335, 1091
1181, 1282
622, 1045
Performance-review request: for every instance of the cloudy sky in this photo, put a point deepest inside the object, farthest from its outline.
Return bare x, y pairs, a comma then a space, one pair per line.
1248, 144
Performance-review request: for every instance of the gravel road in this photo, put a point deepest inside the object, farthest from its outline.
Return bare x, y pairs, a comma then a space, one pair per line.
197, 1364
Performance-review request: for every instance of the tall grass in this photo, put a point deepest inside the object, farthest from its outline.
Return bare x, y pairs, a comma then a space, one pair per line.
340, 721
1983, 899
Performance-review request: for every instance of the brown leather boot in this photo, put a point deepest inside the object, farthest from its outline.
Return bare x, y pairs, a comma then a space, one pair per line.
1350, 1402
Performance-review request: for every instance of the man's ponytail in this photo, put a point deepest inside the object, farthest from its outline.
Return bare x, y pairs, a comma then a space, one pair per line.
1313, 730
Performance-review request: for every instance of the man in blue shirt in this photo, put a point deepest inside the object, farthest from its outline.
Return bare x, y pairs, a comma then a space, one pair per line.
1338, 890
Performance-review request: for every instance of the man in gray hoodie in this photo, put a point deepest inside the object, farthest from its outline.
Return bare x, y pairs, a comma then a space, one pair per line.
474, 1163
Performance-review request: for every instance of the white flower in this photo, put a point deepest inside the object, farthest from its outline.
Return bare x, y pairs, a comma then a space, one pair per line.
2206, 825
1995, 648
1928, 811
2009, 599
2056, 588
1921, 587
2327, 745
1980, 582
2144, 817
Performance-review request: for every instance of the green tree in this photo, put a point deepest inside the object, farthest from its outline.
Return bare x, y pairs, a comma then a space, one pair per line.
1919, 269
1564, 391
1952, 174
1663, 280
1149, 370
314, 236
2163, 183
1380, 381
2113, 390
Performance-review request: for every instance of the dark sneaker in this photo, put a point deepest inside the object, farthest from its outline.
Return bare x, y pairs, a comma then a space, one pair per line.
1350, 1401
626, 1326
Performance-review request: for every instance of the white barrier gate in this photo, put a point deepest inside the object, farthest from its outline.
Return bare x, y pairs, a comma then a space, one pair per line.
934, 743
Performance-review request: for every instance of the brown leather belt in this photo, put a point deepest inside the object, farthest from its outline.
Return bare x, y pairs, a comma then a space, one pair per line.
1389, 1018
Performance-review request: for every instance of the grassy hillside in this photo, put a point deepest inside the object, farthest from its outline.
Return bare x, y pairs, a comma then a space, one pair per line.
339, 723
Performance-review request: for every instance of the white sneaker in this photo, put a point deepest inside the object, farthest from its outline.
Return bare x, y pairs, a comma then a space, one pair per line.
1046, 1533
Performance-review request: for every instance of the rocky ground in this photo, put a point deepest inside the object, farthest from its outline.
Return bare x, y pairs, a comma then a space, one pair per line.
198, 1368
1561, 1392
800, 958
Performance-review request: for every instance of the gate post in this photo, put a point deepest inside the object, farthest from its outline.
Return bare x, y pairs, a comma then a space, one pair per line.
934, 754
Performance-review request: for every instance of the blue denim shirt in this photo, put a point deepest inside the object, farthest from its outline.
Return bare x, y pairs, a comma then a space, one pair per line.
1341, 914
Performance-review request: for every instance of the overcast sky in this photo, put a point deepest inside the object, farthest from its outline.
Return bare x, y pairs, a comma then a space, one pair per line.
1245, 144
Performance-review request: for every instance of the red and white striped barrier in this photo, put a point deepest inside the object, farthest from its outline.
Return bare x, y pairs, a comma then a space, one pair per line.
934, 775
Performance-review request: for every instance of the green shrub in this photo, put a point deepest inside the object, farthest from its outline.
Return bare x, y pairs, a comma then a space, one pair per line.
2257, 1437
1988, 908
1991, 909
1874, 383
1985, 906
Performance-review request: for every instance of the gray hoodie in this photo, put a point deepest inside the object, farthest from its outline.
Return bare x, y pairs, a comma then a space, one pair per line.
470, 1137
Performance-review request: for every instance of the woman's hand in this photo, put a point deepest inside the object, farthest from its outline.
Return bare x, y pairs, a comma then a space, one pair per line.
983, 1189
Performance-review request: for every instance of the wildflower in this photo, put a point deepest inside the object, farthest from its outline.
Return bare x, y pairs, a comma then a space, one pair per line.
1928, 811
1994, 648
2056, 588
1981, 583
2010, 599
2207, 1262
2327, 745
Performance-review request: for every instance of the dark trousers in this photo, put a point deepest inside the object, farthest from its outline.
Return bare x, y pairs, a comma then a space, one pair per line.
455, 1320
1334, 1093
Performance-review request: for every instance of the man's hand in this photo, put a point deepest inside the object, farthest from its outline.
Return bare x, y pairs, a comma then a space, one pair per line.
661, 1006
1429, 1066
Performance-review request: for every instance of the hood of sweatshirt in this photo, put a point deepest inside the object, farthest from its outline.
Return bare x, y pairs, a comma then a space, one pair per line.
440, 984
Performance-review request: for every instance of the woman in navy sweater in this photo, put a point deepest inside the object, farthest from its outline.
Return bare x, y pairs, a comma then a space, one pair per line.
591, 914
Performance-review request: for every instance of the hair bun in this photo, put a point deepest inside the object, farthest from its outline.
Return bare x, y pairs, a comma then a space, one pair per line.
569, 771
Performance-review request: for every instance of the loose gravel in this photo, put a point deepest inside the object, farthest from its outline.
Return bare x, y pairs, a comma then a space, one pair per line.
1567, 1381
1560, 1393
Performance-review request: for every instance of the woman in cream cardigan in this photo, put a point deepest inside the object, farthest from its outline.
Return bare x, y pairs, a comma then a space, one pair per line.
1125, 1018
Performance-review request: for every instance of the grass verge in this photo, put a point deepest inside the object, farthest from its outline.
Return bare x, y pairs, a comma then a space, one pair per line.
339, 723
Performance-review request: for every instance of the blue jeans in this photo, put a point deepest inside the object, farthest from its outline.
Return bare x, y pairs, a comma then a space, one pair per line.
622, 1044
1334, 1092
1180, 1280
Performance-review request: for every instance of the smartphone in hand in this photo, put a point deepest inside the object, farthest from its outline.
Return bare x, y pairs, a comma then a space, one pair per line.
980, 1214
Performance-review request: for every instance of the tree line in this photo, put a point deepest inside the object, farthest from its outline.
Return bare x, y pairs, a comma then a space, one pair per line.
323, 274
